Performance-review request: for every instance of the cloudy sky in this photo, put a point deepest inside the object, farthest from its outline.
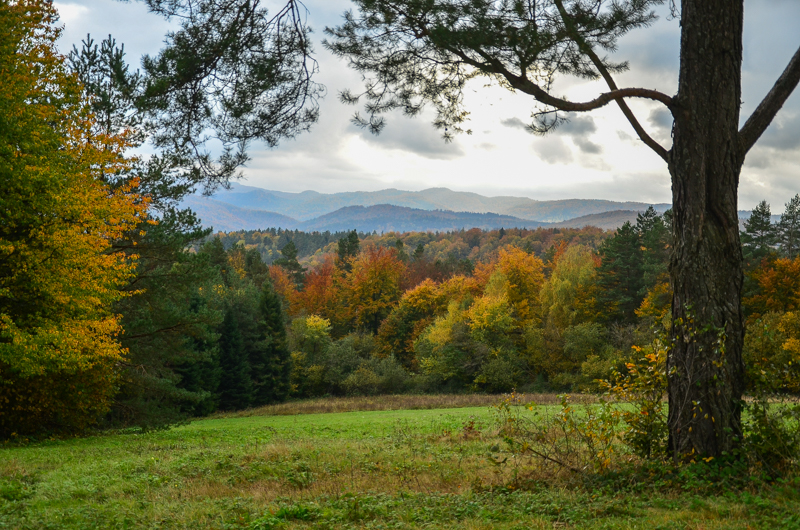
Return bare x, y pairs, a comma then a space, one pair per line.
595, 156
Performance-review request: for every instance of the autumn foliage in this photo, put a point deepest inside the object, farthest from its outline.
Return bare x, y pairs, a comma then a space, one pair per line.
58, 279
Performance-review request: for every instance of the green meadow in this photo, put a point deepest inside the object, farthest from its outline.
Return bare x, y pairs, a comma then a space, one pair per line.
279, 468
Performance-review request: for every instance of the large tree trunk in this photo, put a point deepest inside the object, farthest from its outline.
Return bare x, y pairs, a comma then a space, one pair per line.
706, 374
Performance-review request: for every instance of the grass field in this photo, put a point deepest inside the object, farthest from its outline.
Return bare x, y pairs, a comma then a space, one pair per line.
422, 468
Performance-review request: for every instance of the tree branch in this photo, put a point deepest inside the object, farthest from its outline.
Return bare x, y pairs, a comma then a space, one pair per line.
527, 86
584, 46
523, 84
765, 112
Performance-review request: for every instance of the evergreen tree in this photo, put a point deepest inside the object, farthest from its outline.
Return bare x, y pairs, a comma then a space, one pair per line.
789, 228
270, 368
248, 264
419, 252
759, 237
170, 322
235, 386
620, 275
348, 249
289, 262
654, 241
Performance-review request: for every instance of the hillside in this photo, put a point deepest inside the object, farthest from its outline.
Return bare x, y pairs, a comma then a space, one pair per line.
389, 218
606, 220
229, 218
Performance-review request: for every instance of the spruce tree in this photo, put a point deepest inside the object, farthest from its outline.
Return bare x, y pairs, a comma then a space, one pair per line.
270, 366
289, 262
620, 275
235, 386
348, 249
789, 228
654, 240
759, 237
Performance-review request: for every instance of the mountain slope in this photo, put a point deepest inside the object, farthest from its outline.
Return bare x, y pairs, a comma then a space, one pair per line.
389, 218
606, 220
228, 218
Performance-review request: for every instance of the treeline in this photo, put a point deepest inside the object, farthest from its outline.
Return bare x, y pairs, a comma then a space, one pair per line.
269, 242
444, 247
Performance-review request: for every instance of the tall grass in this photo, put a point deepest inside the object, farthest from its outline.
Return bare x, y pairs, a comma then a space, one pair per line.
394, 402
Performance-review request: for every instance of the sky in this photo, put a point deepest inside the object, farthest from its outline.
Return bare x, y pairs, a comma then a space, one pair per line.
595, 156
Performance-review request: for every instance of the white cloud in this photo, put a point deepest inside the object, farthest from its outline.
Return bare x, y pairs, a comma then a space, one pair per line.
595, 156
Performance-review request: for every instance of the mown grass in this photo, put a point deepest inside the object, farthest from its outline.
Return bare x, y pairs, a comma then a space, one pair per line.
424, 468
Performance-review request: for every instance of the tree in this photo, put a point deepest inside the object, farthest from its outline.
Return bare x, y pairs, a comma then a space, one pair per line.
288, 262
779, 287
415, 311
235, 386
270, 368
789, 228
59, 346
632, 262
654, 236
169, 319
425, 51
523, 275
620, 275
347, 249
759, 237
373, 287
321, 294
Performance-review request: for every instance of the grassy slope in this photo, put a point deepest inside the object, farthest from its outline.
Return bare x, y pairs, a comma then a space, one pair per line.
376, 469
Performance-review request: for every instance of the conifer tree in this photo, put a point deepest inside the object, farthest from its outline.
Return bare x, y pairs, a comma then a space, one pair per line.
235, 386
270, 369
620, 275
289, 263
654, 241
759, 237
348, 250
789, 228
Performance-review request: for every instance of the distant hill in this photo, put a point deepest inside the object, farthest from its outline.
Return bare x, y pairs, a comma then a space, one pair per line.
389, 218
229, 218
308, 205
572, 209
605, 220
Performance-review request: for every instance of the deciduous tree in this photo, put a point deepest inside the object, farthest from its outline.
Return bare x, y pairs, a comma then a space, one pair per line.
373, 287
58, 337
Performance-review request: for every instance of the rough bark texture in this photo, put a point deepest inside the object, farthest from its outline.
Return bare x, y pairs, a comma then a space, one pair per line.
706, 374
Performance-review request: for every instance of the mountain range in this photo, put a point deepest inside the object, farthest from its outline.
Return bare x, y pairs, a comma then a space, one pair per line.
308, 205
248, 208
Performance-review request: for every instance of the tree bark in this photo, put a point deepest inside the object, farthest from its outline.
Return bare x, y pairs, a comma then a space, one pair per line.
705, 369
